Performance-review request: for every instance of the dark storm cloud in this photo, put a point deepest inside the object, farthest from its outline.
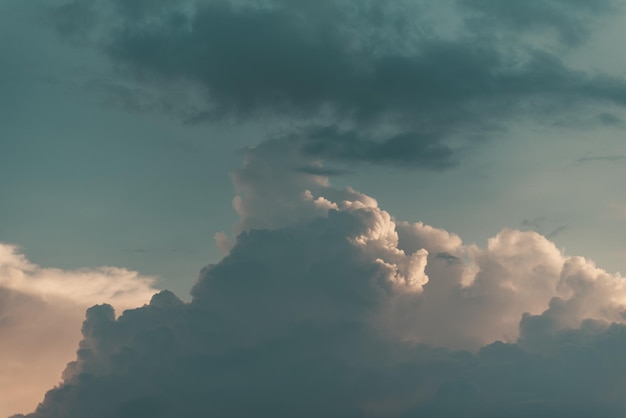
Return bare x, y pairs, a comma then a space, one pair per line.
364, 64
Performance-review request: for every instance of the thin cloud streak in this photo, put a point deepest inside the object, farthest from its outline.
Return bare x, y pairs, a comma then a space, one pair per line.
41, 310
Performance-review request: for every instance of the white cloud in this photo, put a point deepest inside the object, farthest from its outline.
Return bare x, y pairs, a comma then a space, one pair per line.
119, 287
41, 310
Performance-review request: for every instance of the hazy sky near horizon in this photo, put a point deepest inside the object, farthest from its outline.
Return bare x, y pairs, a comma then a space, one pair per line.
128, 127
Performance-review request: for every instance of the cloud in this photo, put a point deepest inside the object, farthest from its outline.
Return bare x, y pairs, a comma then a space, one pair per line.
343, 311
323, 171
557, 231
569, 20
601, 158
409, 149
41, 310
389, 82
539, 224
609, 119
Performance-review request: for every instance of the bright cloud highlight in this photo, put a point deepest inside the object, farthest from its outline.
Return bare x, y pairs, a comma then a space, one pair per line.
41, 311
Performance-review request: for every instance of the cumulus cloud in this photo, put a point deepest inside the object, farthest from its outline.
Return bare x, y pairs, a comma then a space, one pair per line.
41, 310
343, 311
387, 82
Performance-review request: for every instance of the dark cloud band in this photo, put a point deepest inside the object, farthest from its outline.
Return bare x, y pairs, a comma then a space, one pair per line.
360, 63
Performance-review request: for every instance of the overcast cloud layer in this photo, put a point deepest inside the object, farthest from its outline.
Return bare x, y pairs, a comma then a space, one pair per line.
327, 306
407, 82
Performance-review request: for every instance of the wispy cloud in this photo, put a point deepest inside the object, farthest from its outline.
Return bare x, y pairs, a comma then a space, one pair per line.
602, 158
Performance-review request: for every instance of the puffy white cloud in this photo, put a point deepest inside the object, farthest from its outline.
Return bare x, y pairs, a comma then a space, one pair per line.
120, 287
447, 293
330, 307
41, 310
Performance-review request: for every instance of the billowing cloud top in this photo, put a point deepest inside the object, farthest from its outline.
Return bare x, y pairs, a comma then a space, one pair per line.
327, 306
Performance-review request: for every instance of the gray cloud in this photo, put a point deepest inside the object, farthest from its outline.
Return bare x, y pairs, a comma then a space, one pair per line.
542, 225
555, 232
601, 158
448, 257
359, 63
408, 149
322, 171
535, 223
286, 329
609, 119
341, 311
40, 314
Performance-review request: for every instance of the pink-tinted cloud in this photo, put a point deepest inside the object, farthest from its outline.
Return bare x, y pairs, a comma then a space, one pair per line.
41, 311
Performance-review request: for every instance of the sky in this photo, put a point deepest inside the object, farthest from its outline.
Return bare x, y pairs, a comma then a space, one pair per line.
355, 208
